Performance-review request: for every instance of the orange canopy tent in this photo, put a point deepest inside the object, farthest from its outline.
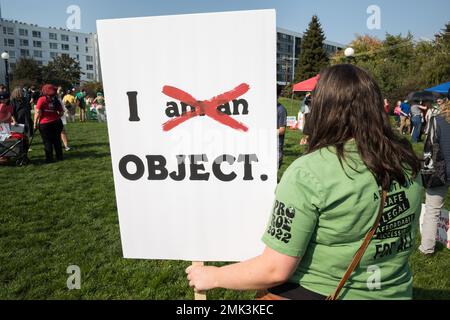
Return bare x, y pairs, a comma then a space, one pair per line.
307, 85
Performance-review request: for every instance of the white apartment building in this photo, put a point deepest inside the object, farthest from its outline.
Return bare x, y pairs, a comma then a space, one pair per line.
43, 44
22, 40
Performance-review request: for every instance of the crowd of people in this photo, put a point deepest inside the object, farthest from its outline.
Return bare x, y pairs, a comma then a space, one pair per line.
412, 117
53, 108
350, 205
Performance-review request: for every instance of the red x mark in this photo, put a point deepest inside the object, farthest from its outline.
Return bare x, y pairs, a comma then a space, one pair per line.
207, 107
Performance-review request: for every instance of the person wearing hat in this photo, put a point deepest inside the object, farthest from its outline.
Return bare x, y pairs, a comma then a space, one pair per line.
48, 119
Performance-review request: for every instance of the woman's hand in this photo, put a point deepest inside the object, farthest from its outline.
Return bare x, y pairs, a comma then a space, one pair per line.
202, 278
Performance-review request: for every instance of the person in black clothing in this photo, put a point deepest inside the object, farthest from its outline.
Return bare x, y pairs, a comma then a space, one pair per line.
34, 96
22, 110
281, 126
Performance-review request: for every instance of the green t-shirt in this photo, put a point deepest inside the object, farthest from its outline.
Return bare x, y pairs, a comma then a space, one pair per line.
322, 214
82, 98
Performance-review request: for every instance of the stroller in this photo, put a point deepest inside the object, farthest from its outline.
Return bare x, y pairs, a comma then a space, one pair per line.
14, 144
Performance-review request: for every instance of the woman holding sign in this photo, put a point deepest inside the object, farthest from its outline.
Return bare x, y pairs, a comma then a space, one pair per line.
347, 210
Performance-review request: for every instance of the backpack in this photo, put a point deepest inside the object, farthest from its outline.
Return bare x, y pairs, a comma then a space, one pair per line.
434, 171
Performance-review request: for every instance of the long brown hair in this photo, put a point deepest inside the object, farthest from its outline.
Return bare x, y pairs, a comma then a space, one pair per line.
347, 104
17, 94
445, 110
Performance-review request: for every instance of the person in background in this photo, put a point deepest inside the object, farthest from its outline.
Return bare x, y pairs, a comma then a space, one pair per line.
48, 119
99, 104
306, 113
397, 113
281, 126
435, 197
65, 140
329, 199
22, 110
69, 104
26, 95
405, 118
3, 89
34, 96
6, 116
417, 119
6, 109
91, 111
426, 113
80, 100
60, 93
439, 104
387, 106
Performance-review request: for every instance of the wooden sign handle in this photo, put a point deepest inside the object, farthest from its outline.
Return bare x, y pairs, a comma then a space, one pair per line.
200, 296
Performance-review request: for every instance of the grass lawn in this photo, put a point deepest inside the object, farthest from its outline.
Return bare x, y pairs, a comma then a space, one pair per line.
63, 214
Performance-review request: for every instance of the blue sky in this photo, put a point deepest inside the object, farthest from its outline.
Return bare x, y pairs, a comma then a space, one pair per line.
341, 19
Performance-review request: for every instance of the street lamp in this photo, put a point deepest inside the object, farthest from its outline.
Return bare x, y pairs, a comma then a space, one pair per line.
5, 56
350, 54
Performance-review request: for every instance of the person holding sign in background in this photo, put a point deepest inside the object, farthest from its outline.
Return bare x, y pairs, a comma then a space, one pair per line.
330, 198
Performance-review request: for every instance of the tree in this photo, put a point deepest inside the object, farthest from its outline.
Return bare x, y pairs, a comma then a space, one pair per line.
444, 35
62, 71
93, 87
313, 57
27, 73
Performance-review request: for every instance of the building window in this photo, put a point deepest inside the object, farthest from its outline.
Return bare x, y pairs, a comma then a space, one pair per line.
89, 58
64, 37
39, 63
12, 54
78, 57
86, 40
87, 50
9, 42
24, 53
65, 47
76, 39
90, 76
77, 48
65, 55
53, 36
53, 55
37, 44
37, 54
23, 32
8, 30
36, 34
12, 66
24, 43
90, 67
53, 46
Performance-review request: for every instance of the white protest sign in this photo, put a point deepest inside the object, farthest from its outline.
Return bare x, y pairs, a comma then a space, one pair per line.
443, 228
192, 127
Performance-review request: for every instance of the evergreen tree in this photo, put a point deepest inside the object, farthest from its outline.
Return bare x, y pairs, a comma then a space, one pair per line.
313, 57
